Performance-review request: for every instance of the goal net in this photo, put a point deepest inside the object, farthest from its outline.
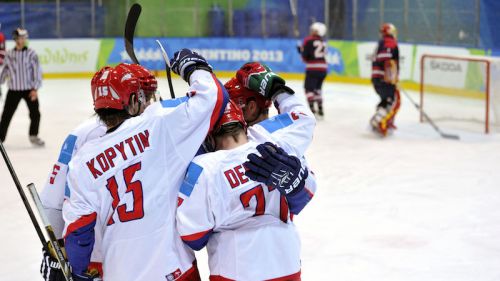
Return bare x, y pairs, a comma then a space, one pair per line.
461, 91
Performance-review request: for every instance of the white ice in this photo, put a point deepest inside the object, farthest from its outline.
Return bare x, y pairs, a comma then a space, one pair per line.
412, 206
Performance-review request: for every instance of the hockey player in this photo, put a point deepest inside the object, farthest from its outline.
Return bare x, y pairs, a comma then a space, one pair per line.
52, 195
313, 51
248, 224
385, 75
254, 106
128, 179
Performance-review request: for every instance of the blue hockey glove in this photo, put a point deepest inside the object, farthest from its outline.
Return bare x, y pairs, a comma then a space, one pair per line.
186, 61
276, 169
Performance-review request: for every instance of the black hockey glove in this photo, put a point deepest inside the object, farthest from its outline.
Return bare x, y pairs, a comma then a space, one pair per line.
186, 61
276, 169
50, 268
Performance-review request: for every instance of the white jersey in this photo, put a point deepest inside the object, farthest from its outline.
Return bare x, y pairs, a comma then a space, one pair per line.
128, 181
247, 224
52, 195
277, 127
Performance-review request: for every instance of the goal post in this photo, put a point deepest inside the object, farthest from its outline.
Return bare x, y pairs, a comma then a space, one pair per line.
472, 84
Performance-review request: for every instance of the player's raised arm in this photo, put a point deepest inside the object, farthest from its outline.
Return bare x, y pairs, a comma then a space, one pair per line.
195, 221
294, 127
192, 120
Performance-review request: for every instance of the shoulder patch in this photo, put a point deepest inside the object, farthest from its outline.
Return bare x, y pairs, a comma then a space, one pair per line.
67, 192
193, 173
174, 102
276, 122
67, 149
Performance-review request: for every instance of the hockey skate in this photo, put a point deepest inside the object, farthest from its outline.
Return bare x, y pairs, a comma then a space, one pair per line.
36, 141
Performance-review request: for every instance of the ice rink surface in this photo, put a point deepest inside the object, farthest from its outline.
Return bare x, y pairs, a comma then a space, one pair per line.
409, 207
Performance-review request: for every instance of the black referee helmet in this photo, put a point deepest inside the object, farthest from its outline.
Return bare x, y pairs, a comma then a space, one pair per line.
19, 32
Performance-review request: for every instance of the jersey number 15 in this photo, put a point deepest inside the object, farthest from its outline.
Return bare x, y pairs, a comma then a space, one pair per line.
134, 187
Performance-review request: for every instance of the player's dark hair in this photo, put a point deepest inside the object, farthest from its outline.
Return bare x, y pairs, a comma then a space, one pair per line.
233, 129
112, 117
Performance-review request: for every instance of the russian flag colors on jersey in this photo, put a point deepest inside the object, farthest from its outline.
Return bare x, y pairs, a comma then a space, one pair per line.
246, 225
128, 180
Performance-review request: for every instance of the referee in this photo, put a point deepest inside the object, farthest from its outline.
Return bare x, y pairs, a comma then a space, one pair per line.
25, 78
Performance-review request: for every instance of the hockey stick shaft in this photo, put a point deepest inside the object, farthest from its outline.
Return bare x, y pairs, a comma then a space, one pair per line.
436, 128
57, 250
23, 197
132, 18
293, 8
167, 68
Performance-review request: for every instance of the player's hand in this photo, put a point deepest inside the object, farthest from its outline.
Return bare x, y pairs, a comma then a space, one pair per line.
33, 95
50, 268
276, 169
261, 79
186, 61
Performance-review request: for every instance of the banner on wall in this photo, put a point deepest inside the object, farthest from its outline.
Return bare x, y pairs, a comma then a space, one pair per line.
227, 54
441, 72
65, 55
345, 58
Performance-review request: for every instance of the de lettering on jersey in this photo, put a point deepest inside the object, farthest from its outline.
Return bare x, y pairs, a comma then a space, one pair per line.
236, 176
105, 160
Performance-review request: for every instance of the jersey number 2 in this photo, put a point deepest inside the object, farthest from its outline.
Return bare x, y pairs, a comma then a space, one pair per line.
135, 187
319, 49
260, 208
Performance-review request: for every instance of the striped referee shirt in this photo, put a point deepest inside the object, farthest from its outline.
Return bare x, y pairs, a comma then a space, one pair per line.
23, 69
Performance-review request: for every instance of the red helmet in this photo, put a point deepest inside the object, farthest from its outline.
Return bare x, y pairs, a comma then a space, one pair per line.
241, 95
232, 114
112, 88
388, 29
148, 80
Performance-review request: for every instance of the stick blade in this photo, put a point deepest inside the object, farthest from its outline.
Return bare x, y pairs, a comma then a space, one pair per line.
450, 136
164, 53
132, 18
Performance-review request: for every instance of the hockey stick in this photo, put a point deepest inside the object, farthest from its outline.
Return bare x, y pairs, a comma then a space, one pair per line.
132, 18
293, 8
167, 68
58, 251
441, 133
27, 205
23, 197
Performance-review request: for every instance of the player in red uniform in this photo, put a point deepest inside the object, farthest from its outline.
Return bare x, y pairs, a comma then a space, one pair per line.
385, 72
313, 51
